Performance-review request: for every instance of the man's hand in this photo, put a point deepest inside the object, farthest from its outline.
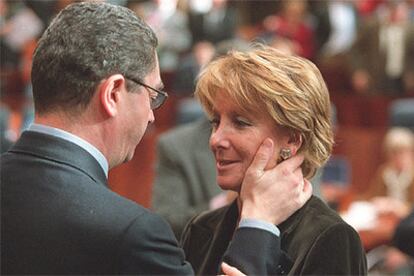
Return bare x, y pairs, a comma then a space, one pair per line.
230, 270
274, 194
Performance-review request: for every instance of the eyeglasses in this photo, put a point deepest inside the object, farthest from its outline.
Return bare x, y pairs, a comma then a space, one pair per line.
158, 100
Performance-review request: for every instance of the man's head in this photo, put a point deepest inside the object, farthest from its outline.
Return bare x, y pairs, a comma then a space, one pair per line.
95, 74
398, 146
84, 44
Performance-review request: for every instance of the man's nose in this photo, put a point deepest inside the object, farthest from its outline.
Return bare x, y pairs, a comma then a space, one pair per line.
151, 117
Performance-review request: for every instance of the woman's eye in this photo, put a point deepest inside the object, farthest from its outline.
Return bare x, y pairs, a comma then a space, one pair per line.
240, 122
214, 122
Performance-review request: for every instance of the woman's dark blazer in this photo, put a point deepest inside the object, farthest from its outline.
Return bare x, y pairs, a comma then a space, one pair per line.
314, 240
58, 216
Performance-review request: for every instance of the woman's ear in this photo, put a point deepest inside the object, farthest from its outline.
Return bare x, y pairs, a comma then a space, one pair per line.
295, 141
290, 144
110, 92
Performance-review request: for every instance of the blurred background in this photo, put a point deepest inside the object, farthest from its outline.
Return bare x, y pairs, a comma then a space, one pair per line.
364, 49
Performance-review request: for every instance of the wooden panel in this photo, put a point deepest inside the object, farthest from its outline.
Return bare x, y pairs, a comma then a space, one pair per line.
134, 179
363, 149
165, 117
362, 111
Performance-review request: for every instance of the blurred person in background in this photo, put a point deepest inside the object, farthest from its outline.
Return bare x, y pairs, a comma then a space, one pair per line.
21, 24
185, 177
401, 259
5, 140
212, 20
391, 195
404, 235
332, 58
291, 23
392, 186
265, 95
401, 113
380, 59
188, 109
18, 25
190, 65
169, 20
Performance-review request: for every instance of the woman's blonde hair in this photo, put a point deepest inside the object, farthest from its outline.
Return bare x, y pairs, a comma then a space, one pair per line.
289, 89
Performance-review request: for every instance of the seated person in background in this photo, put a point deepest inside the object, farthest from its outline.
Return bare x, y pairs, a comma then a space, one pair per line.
393, 184
291, 24
380, 59
5, 140
391, 195
391, 257
263, 96
402, 113
185, 181
190, 65
395, 255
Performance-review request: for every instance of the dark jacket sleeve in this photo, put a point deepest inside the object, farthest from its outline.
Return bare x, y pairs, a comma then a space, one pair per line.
404, 235
254, 251
149, 247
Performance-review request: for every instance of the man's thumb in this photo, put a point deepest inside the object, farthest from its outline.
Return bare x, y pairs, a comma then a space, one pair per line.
263, 155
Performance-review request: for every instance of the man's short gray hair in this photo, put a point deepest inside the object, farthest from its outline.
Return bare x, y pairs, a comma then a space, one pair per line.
85, 43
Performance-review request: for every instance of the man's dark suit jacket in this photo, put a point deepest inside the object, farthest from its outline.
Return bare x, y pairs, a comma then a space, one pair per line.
59, 217
404, 235
314, 241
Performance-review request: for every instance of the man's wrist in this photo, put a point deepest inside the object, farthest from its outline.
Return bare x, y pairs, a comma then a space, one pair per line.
250, 211
259, 224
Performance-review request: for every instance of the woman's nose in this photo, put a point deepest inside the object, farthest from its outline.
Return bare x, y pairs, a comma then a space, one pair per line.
219, 139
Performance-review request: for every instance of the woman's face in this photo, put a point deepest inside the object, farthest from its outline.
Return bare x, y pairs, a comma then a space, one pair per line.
402, 159
234, 140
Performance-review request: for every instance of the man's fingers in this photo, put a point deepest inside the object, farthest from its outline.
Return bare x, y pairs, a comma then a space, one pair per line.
230, 270
307, 190
292, 163
263, 155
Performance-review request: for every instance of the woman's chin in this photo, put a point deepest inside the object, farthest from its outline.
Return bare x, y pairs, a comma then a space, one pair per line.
229, 185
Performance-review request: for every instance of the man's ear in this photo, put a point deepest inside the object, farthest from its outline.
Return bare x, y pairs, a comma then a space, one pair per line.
110, 92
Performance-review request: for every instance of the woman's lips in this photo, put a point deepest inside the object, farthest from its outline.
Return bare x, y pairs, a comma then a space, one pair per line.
225, 164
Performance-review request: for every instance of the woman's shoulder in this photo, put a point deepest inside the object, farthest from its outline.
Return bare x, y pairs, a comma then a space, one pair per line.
318, 213
315, 223
315, 219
